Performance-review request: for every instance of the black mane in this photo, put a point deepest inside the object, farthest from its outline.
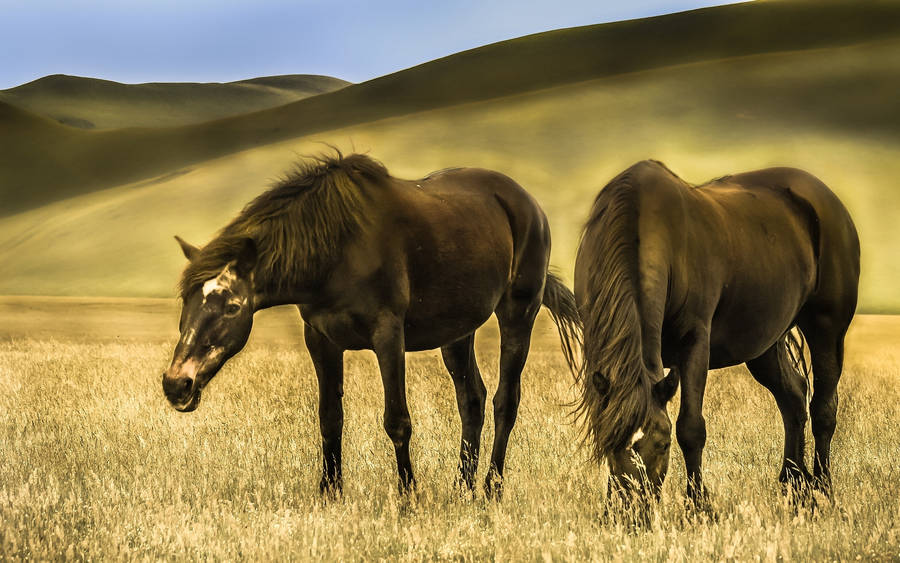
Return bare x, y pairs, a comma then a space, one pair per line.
297, 226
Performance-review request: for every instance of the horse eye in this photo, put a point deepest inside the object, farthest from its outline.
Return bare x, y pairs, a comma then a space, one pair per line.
232, 309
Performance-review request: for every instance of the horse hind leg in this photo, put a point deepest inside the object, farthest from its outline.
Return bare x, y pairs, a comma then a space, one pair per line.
459, 358
826, 345
774, 371
516, 313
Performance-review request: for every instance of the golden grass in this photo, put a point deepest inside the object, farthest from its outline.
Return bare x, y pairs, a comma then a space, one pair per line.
97, 466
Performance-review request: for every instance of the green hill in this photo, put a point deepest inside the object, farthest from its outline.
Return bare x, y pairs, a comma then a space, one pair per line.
97, 159
703, 119
831, 109
90, 103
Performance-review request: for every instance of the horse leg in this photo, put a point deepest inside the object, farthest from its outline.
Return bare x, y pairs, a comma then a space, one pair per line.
516, 318
774, 372
826, 346
459, 357
690, 428
390, 350
328, 362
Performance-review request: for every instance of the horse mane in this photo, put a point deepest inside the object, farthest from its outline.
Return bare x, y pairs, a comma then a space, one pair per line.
298, 226
616, 387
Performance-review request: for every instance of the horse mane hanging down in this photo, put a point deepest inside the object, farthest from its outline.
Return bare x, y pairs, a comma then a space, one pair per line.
617, 387
699, 277
299, 224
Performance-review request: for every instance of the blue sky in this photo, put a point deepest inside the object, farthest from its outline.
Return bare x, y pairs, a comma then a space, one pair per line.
224, 40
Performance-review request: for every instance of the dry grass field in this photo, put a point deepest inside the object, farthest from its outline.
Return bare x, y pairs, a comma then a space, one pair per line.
96, 465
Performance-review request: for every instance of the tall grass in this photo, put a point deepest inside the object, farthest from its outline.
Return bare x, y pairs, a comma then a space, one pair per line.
95, 465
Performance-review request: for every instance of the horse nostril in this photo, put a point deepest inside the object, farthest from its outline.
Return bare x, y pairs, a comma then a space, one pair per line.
177, 387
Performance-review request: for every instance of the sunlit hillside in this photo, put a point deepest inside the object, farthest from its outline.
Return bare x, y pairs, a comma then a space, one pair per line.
33, 172
90, 103
704, 120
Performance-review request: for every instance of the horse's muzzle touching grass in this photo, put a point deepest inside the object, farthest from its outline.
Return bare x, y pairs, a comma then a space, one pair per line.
182, 392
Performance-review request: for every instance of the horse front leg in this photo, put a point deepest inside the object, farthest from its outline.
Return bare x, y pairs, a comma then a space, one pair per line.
459, 358
389, 345
329, 364
690, 428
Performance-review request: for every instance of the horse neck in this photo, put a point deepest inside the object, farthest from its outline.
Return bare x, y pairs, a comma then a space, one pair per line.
273, 296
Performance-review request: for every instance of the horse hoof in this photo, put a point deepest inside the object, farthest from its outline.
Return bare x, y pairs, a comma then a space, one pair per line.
407, 486
331, 488
823, 486
493, 488
699, 504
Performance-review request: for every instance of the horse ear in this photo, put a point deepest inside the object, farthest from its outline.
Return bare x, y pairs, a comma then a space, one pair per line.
246, 257
665, 388
601, 383
190, 251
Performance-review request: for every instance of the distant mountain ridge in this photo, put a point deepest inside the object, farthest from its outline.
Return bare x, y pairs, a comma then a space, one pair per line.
93, 103
34, 172
804, 90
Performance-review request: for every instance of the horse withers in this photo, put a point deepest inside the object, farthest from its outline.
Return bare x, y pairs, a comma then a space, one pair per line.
375, 262
670, 275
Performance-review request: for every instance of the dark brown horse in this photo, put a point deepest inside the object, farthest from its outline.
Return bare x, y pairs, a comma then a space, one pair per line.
375, 262
670, 275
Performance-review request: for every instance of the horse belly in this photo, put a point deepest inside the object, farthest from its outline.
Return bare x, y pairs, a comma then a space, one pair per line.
459, 269
446, 311
750, 320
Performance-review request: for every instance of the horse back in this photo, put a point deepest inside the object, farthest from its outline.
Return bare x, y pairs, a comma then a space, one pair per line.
449, 246
489, 204
741, 255
830, 226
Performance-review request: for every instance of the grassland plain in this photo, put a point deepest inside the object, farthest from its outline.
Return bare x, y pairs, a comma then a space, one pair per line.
96, 465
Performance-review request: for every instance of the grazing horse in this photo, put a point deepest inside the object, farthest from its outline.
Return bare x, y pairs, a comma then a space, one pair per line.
379, 263
670, 275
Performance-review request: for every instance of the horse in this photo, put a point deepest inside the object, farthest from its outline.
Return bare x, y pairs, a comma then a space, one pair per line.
692, 278
385, 264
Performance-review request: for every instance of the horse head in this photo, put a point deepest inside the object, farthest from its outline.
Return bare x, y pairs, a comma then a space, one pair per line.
216, 318
641, 466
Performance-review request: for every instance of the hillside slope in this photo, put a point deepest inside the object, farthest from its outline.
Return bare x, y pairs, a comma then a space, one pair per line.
93, 160
562, 144
91, 103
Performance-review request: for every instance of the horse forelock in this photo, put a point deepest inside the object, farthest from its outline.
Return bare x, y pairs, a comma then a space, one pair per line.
612, 329
298, 226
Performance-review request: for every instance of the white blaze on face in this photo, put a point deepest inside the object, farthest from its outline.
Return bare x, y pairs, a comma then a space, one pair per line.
219, 283
188, 368
637, 436
189, 336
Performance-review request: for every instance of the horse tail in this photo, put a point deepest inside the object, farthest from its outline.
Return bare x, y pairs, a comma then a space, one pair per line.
560, 301
793, 349
616, 387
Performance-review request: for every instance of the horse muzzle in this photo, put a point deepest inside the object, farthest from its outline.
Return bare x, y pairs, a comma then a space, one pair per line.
181, 386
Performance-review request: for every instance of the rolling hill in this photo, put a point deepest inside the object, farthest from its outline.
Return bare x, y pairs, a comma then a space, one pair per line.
90, 103
831, 109
31, 176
